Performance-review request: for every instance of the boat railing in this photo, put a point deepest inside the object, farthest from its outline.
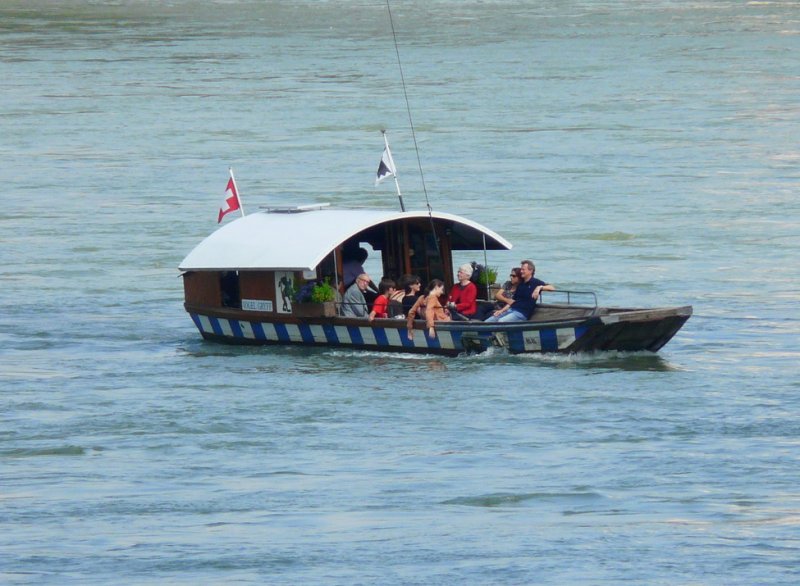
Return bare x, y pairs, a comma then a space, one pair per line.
567, 297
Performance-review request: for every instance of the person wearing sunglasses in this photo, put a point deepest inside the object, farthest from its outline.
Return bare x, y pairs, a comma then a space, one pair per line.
506, 294
411, 285
502, 296
523, 301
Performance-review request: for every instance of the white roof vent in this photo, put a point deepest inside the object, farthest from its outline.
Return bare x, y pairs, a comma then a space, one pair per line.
294, 209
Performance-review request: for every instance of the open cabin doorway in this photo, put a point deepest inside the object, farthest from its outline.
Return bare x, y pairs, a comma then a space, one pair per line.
396, 249
413, 248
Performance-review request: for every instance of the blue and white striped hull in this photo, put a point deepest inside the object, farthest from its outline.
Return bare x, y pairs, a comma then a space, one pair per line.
622, 330
451, 338
362, 337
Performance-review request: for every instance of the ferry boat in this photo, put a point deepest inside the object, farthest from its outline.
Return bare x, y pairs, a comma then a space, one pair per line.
238, 285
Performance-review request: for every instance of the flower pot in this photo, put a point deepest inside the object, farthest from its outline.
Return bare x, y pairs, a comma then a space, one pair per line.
309, 309
493, 289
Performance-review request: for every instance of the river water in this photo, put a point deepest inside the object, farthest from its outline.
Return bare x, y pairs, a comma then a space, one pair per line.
644, 150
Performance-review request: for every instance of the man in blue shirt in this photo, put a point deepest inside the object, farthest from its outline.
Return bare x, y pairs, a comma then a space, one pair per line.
523, 301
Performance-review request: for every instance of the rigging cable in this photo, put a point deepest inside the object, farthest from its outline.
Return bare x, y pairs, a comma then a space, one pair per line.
411, 123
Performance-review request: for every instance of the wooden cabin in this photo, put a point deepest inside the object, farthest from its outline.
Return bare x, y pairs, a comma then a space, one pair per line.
253, 262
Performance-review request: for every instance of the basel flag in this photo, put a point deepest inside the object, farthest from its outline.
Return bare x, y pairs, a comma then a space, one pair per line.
386, 167
231, 203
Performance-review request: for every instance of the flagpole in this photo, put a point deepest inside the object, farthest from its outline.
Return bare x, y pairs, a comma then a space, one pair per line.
396, 182
236, 190
486, 266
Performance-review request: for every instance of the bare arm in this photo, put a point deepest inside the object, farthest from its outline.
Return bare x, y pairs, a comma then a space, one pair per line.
431, 306
538, 290
502, 298
412, 313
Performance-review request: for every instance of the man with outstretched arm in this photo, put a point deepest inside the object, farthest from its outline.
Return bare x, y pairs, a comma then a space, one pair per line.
523, 302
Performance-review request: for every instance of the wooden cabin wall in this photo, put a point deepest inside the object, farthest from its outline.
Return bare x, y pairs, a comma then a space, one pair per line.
258, 285
394, 265
202, 288
405, 252
447, 258
420, 253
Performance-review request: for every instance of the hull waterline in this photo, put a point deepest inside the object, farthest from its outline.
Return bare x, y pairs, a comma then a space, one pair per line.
602, 330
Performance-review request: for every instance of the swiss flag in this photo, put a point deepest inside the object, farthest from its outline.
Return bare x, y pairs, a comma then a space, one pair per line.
231, 203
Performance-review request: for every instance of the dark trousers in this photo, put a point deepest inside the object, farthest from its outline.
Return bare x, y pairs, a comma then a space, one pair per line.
484, 311
458, 316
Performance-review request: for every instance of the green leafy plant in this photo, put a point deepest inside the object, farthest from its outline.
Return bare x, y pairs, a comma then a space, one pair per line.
488, 276
315, 292
322, 292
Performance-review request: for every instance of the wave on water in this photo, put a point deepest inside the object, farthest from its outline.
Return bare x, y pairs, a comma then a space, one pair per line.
614, 360
505, 499
382, 355
68, 450
345, 359
610, 236
279, 473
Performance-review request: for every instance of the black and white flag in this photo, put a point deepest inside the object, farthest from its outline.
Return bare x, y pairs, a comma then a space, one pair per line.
386, 167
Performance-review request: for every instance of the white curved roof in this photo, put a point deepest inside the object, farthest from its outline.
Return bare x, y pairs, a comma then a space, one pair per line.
301, 240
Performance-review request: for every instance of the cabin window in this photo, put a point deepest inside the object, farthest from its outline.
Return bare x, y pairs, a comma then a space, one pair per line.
374, 264
229, 285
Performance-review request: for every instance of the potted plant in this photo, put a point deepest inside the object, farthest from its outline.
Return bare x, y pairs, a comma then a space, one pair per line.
487, 277
315, 299
323, 292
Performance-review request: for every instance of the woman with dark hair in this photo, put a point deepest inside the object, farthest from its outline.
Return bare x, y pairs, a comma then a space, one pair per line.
506, 294
380, 308
434, 311
411, 286
503, 296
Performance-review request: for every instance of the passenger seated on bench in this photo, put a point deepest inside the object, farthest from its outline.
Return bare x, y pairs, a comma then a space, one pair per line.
506, 294
433, 307
502, 297
411, 314
412, 287
386, 288
462, 300
523, 302
396, 304
354, 304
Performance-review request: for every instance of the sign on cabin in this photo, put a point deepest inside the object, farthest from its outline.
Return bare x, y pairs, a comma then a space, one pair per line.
256, 304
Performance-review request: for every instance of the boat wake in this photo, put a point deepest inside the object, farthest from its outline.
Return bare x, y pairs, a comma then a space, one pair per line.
613, 360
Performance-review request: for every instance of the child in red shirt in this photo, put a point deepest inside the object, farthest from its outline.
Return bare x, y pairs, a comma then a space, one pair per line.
381, 306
